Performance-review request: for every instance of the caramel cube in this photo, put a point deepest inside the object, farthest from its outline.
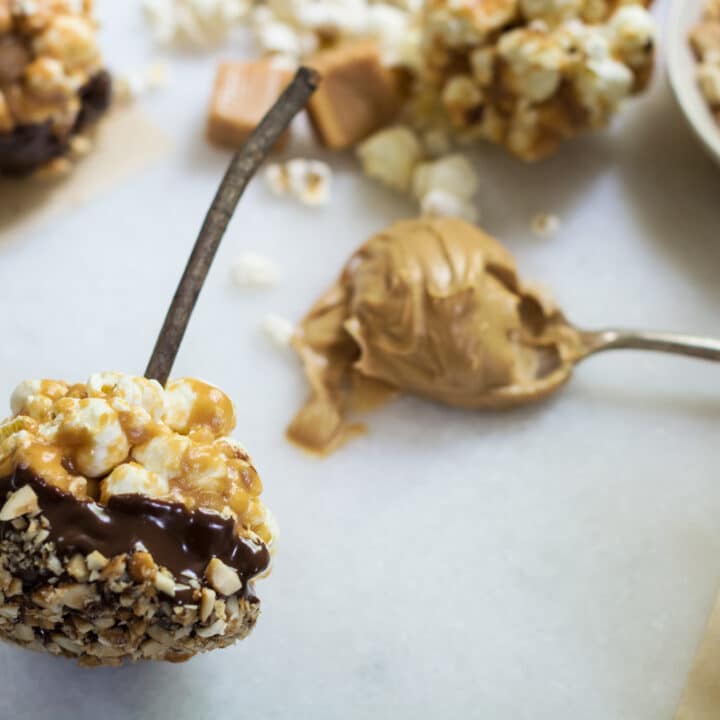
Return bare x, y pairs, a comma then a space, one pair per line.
243, 93
356, 97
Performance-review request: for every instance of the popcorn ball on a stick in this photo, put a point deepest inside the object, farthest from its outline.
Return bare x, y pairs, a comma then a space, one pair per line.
131, 525
52, 82
529, 74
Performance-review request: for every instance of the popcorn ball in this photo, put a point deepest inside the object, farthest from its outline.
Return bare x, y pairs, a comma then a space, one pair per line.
529, 74
52, 82
131, 524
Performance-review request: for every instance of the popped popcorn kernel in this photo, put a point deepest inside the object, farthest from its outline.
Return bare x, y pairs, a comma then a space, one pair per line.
390, 156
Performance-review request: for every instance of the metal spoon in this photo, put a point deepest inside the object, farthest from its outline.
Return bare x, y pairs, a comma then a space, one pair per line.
675, 343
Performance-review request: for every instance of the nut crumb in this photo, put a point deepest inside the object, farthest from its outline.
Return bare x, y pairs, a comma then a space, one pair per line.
96, 561
207, 603
217, 628
22, 502
165, 583
77, 568
545, 225
222, 577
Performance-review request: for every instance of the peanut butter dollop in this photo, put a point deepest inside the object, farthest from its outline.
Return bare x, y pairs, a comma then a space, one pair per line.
432, 307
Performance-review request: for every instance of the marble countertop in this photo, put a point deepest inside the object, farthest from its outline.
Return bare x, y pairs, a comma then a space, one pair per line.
553, 562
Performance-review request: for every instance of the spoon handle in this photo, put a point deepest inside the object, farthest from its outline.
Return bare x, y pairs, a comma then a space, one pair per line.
689, 345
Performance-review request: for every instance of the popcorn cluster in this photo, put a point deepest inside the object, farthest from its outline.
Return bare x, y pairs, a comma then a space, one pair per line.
48, 52
298, 28
199, 23
291, 28
529, 74
119, 434
705, 41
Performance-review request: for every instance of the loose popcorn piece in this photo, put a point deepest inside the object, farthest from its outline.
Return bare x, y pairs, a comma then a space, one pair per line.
309, 181
545, 225
199, 23
452, 173
441, 203
390, 156
123, 507
705, 42
52, 82
530, 74
357, 95
279, 330
243, 93
446, 188
133, 85
252, 270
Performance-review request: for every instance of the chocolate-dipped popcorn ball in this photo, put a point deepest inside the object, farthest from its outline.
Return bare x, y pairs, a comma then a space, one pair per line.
432, 307
131, 525
529, 74
52, 82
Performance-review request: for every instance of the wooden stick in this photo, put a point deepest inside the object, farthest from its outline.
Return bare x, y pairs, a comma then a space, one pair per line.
242, 168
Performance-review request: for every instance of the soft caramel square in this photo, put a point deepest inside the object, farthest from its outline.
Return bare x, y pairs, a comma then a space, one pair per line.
243, 93
356, 97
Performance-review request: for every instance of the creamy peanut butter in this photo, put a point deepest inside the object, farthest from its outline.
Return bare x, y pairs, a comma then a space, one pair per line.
433, 307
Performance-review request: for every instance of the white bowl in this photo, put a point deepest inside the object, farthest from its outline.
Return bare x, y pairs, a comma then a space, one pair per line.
682, 65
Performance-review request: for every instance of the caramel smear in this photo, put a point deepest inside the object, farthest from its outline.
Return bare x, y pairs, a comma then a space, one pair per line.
243, 93
432, 307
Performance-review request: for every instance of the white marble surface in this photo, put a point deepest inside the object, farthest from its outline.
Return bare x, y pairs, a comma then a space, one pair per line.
556, 562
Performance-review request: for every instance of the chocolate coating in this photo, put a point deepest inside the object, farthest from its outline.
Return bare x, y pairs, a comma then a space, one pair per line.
28, 147
182, 540
96, 96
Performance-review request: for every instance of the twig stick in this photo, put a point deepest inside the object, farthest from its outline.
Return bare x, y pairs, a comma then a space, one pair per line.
242, 167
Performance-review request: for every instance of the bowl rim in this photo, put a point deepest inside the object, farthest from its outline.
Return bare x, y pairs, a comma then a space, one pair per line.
687, 94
